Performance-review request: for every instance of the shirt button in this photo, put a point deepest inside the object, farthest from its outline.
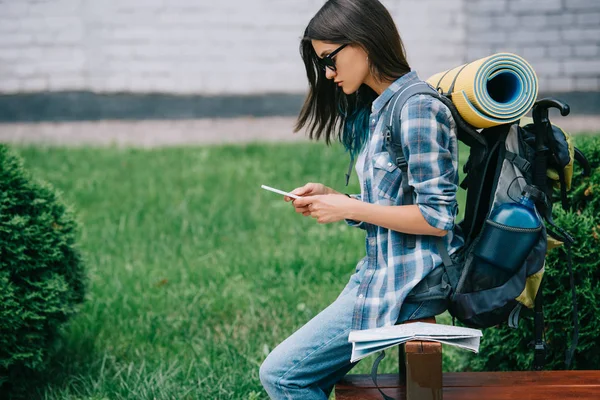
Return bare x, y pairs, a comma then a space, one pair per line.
373, 120
360, 296
389, 164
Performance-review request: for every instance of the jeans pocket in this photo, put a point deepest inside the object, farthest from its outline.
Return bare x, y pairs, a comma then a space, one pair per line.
419, 310
415, 314
408, 310
429, 308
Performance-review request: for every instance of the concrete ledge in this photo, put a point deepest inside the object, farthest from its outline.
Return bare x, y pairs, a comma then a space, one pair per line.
88, 106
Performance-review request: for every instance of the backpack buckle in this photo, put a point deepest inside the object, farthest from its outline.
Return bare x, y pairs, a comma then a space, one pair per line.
388, 135
401, 162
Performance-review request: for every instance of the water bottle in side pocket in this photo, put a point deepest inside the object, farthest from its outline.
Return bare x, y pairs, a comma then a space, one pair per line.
509, 234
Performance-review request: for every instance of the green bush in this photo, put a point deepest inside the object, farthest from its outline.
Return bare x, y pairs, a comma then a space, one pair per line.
504, 348
42, 278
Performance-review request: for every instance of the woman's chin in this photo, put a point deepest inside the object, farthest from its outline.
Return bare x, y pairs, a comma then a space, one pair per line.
348, 90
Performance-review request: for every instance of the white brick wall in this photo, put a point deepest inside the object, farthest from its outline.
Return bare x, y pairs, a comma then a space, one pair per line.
251, 46
560, 38
189, 46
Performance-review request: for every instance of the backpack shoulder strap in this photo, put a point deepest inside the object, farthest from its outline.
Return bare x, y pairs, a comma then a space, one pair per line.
397, 103
393, 139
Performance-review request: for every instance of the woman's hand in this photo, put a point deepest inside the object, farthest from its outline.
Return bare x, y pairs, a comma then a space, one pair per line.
325, 208
310, 189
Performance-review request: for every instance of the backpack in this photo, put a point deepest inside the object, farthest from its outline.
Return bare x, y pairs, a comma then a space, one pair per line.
503, 161
499, 168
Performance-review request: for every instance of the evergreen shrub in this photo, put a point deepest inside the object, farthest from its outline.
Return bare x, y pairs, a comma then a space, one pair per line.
42, 277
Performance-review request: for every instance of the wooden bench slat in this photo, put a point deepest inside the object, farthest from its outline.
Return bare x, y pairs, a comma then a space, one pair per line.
487, 393
539, 378
523, 392
474, 379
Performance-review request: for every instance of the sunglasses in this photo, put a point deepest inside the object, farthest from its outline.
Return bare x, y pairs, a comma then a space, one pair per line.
328, 61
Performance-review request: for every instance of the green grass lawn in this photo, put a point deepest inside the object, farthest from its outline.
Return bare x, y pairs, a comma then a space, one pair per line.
195, 272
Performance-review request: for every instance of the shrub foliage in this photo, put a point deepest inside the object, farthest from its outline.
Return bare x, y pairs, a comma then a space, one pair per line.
42, 278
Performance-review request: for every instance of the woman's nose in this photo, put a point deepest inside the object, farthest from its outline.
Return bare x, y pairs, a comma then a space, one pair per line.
329, 73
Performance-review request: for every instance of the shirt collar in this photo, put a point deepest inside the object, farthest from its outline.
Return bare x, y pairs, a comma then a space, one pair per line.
388, 93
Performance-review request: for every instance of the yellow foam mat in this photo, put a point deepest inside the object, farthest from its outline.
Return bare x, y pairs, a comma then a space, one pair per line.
491, 91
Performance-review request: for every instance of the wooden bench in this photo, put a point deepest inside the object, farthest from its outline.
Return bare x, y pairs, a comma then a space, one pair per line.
420, 377
538, 385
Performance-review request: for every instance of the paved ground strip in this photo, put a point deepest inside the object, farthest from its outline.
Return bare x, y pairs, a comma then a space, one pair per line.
157, 133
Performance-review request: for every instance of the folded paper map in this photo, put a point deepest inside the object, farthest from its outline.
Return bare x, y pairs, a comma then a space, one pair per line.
368, 341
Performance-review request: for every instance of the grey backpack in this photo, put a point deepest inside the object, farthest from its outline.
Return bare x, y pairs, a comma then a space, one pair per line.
504, 161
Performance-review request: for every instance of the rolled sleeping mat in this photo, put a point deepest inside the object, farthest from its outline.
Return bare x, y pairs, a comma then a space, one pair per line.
491, 91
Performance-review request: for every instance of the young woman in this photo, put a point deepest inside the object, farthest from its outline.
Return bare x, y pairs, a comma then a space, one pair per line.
355, 63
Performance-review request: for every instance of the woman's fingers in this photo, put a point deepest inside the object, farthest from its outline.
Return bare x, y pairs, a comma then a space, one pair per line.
300, 191
288, 198
304, 190
305, 201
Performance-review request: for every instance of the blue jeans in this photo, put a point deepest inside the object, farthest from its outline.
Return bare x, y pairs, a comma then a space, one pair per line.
307, 364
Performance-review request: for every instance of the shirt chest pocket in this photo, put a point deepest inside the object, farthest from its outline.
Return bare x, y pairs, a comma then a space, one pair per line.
387, 179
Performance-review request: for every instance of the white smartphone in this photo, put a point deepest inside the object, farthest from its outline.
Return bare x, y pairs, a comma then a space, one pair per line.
293, 196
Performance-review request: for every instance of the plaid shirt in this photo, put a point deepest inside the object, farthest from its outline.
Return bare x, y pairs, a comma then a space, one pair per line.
429, 142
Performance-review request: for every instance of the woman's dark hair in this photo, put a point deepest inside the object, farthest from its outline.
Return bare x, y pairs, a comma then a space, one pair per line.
327, 109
